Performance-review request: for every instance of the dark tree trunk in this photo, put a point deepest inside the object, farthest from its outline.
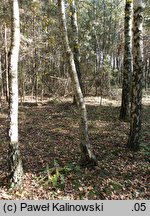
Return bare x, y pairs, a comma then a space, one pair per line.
127, 71
137, 79
6, 64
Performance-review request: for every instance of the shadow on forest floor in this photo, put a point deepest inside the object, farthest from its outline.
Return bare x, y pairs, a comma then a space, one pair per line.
49, 138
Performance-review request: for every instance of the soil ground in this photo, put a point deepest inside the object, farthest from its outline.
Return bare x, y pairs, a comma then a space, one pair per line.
49, 141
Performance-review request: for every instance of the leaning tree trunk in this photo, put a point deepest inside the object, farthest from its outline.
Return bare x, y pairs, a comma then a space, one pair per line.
127, 71
137, 79
76, 51
16, 170
87, 156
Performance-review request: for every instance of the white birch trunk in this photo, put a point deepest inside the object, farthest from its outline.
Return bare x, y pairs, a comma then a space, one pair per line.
137, 79
14, 152
76, 52
87, 156
127, 65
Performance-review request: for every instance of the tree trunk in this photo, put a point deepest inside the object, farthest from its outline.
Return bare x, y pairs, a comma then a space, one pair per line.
76, 51
87, 156
16, 170
127, 72
35, 69
1, 84
137, 79
6, 64
22, 84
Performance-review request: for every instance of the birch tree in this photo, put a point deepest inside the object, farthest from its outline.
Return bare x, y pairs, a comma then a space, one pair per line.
127, 70
16, 170
137, 79
76, 51
87, 157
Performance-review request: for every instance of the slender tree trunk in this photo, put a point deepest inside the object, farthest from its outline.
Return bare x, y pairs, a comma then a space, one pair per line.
76, 51
1, 84
22, 83
147, 68
35, 69
3, 76
87, 156
6, 64
148, 74
36, 88
16, 170
137, 79
127, 73
104, 33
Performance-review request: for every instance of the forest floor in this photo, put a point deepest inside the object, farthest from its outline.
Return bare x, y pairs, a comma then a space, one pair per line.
49, 141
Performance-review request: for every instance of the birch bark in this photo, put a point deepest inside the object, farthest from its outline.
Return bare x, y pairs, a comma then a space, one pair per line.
87, 157
127, 65
137, 78
16, 170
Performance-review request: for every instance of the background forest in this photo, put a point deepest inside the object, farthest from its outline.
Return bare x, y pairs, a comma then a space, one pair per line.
82, 82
